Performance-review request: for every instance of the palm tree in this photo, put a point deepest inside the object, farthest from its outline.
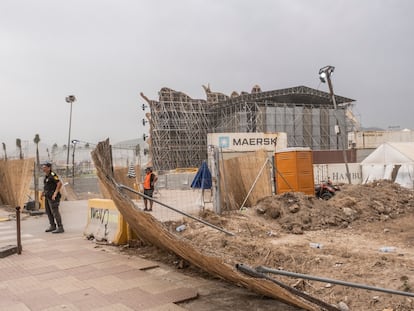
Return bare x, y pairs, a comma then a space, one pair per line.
19, 146
5, 153
36, 140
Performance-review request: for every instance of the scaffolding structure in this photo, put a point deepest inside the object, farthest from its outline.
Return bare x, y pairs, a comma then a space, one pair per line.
179, 124
178, 130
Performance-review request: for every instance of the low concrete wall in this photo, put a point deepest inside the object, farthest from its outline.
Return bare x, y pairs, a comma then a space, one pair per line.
337, 173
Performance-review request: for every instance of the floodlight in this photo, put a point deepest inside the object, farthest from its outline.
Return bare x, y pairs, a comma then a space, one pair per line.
325, 73
70, 98
322, 77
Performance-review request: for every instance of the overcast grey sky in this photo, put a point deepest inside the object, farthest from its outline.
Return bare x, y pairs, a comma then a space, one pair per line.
106, 52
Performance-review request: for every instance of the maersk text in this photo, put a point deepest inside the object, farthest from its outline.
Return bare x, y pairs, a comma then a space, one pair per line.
255, 141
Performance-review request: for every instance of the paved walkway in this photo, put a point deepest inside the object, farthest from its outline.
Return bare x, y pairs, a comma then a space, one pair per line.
68, 272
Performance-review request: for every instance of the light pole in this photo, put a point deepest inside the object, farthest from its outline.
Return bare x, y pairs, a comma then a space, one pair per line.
69, 99
74, 142
325, 76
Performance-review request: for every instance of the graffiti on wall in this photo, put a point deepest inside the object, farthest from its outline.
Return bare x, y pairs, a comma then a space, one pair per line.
102, 224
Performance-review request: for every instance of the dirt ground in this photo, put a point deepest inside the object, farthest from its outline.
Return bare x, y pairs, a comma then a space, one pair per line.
277, 232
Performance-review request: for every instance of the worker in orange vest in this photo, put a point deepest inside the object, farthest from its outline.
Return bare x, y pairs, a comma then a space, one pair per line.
149, 183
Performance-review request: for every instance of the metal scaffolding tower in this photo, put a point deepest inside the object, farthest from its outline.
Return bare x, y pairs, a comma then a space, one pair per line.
178, 130
179, 124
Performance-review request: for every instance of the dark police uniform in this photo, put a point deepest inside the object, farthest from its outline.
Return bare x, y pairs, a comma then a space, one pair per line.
52, 206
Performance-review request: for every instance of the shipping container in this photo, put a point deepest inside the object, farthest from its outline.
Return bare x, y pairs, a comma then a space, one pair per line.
334, 156
247, 142
294, 171
373, 139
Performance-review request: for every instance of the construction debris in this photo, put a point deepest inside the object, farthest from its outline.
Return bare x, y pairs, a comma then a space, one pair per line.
149, 229
352, 227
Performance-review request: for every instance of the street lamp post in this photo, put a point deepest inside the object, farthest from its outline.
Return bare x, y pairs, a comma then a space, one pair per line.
74, 142
69, 99
325, 76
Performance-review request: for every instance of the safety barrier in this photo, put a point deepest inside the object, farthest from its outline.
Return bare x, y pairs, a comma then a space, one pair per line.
105, 223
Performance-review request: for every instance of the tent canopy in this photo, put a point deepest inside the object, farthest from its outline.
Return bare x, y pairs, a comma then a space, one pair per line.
393, 161
395, 153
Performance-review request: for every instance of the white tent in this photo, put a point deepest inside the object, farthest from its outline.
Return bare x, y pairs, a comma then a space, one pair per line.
393, 161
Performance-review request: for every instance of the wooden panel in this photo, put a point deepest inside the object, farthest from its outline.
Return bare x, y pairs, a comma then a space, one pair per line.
239, 176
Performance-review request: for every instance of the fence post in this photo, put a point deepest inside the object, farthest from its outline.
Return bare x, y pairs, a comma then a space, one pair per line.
217, 201
18, 228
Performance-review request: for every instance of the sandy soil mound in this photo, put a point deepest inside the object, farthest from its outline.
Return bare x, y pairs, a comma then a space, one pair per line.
378, 201
351, 228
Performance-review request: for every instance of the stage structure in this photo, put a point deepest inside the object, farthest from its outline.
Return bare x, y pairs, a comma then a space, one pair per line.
179, 124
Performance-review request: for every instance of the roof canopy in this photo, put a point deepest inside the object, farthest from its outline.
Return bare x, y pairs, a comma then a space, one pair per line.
298, 95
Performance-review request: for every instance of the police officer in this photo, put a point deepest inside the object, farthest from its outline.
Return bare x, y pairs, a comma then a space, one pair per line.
51, 193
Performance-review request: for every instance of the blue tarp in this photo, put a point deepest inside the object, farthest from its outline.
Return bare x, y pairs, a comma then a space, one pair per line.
202, 180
